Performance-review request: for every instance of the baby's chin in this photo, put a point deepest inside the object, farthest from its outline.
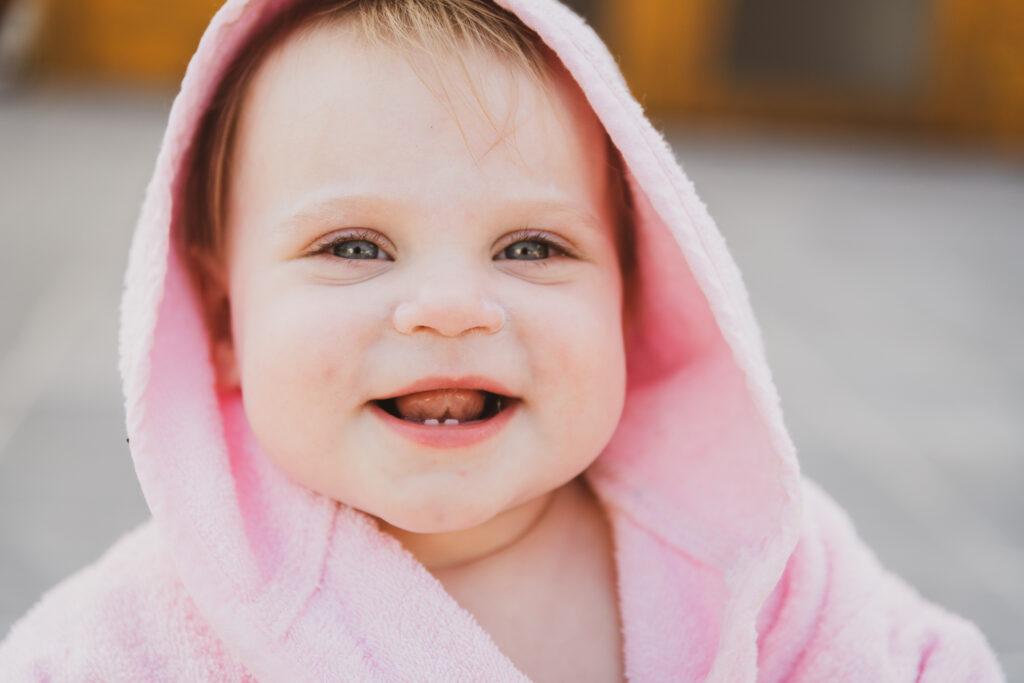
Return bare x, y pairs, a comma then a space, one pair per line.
435, 517
439, 502
461, 514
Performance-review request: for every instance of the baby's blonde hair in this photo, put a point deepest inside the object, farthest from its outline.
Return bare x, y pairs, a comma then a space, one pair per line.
432, 27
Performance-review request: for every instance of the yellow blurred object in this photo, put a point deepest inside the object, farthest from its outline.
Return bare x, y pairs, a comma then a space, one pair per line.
979, 79
133, 40
948, 67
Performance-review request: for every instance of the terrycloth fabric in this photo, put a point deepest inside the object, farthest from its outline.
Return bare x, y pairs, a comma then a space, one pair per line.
731, 568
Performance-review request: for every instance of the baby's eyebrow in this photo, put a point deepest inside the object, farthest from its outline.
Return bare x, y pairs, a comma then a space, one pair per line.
515, 208
319, 210
573, 211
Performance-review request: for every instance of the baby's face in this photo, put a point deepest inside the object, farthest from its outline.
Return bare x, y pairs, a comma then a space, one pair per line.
379, 245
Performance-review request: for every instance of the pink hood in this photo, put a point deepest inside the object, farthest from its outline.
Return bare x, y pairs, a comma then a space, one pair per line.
244, 574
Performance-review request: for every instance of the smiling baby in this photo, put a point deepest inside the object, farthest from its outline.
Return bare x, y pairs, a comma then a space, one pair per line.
414, 271
437, 369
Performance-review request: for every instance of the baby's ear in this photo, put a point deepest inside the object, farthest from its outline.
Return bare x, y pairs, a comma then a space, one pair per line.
214, 297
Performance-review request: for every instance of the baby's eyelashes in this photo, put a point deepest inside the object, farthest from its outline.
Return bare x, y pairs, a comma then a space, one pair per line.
359, 245
533, 245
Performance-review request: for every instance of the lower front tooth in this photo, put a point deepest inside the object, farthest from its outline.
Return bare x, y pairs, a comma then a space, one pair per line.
451, 421
430, 421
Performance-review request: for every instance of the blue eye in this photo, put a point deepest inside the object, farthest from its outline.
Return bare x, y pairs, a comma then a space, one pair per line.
355, 249
526, 250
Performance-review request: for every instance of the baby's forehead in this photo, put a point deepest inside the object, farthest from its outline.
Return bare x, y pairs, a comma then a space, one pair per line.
329, 90
485, 94
311, 110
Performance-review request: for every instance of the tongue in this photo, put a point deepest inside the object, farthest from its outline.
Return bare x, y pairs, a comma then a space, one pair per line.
441, 404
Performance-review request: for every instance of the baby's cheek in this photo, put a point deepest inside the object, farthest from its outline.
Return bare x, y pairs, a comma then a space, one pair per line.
300, 355
577, 352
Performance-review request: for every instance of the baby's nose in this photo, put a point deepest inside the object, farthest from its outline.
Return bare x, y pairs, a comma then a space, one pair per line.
449, 308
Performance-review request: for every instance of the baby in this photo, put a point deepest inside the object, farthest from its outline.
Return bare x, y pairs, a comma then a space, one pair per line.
407, 230
436, 369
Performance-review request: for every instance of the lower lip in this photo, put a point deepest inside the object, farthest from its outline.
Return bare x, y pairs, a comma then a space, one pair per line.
448, 436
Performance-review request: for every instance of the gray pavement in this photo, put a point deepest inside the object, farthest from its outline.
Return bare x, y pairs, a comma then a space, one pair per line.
887, 282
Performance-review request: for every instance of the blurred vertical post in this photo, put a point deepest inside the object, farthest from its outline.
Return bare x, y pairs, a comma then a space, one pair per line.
979, 67
20, 21
667, 49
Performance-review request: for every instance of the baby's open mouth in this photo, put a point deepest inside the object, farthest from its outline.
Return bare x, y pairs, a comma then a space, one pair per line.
446, 406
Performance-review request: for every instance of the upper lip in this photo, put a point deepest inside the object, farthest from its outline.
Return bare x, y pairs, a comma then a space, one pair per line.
463, 382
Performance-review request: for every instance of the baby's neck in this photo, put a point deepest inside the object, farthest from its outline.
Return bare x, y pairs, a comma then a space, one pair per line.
501, 535
549, 601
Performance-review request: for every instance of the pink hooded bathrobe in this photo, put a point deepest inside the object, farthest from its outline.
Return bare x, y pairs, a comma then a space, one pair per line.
731, 567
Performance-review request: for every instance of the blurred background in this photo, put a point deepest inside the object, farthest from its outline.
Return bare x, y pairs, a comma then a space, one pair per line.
863, 158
